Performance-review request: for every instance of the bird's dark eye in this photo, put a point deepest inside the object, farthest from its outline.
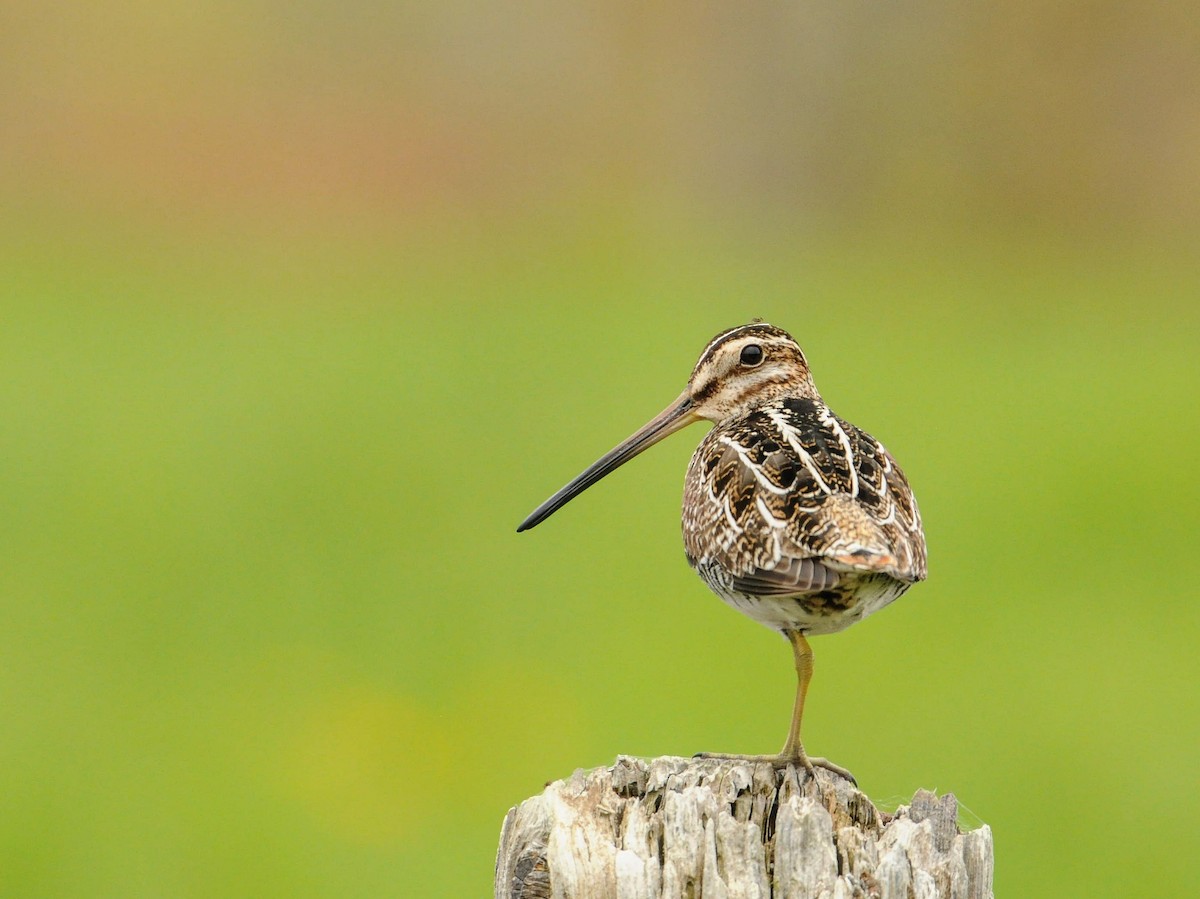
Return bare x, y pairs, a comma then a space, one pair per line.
752, 354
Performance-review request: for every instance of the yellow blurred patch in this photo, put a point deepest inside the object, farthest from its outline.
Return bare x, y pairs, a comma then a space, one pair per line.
368, 763
374, 765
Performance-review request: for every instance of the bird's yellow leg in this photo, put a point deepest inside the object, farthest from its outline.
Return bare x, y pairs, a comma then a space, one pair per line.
793, 750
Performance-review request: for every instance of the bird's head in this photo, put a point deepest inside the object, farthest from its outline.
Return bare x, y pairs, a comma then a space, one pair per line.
739, 369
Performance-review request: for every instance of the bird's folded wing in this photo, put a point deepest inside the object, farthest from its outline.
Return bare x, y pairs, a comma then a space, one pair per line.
791, 576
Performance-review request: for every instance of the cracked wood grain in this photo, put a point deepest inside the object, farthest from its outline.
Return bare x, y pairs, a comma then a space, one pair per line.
673, 828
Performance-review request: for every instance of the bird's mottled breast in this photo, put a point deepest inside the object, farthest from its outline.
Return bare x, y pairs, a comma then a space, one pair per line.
788, 480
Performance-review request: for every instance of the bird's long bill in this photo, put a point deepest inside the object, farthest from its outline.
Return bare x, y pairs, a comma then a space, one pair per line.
677, 415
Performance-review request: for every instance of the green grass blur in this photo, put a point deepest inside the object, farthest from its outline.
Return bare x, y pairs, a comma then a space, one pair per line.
267, 627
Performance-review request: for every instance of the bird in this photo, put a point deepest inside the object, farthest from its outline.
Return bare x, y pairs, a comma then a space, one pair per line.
791, 515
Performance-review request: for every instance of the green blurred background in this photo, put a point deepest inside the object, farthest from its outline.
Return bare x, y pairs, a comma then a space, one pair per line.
306, 305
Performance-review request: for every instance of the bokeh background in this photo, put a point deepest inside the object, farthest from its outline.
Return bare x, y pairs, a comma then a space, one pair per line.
306, 305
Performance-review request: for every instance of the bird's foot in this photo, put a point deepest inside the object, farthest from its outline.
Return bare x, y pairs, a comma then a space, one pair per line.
783, 761
830, 766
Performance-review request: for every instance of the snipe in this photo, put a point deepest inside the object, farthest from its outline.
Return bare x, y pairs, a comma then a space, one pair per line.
791, 515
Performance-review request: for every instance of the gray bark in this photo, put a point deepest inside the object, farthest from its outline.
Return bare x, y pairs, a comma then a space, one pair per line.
720, 829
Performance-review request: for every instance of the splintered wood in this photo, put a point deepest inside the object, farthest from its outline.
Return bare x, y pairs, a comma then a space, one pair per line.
719, 829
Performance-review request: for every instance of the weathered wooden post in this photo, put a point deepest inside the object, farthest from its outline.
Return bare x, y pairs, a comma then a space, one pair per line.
721, 829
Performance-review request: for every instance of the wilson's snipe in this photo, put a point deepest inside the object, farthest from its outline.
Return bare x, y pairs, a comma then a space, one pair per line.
790, 514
